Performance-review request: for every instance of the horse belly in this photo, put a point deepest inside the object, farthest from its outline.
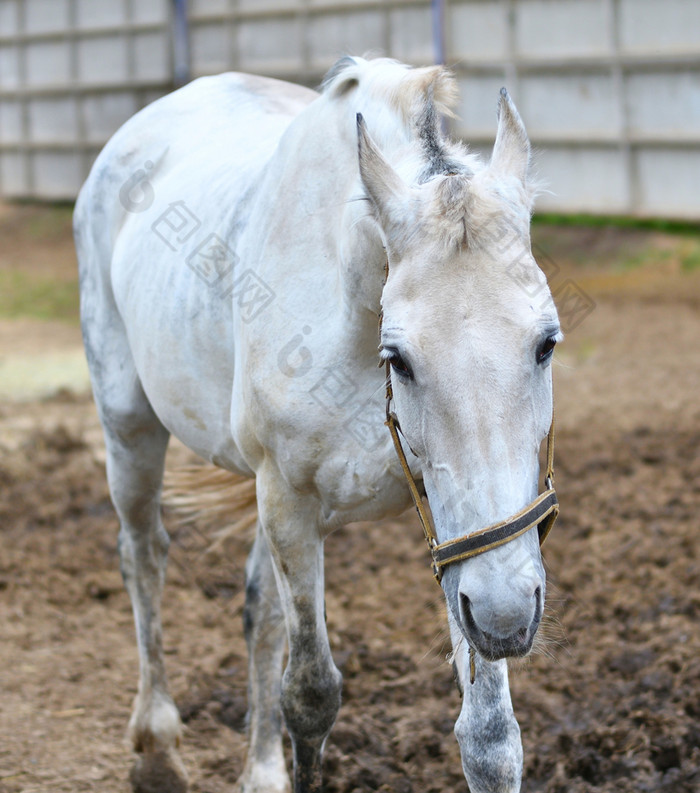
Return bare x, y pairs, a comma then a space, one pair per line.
180, 335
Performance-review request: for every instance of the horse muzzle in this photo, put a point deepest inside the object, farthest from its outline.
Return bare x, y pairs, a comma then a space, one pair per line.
498, 629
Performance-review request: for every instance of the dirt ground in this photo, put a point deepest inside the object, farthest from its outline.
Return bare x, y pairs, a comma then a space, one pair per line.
610, 700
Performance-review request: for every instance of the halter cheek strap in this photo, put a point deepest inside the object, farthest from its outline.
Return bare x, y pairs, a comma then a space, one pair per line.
542, 512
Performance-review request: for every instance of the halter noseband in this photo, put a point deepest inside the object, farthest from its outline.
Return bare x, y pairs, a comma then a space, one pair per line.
542, 512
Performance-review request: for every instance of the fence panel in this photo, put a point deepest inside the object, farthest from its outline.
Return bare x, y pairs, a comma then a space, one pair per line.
609, 89
71, 72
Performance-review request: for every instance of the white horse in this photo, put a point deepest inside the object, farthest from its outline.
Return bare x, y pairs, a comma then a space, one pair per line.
232, 242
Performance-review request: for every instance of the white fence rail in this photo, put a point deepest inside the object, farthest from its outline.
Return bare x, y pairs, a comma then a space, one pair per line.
609, 89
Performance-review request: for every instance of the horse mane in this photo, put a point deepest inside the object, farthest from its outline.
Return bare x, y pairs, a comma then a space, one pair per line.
407, 89
418, 97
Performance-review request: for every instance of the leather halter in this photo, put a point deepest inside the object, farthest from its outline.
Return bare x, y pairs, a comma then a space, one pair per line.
542, 512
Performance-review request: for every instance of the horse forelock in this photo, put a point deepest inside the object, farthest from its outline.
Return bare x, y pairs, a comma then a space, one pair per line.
469, 210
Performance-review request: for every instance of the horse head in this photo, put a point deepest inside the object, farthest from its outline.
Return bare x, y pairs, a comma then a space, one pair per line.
468, 329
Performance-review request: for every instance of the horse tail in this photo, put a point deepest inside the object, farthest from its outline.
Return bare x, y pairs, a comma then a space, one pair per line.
212, 498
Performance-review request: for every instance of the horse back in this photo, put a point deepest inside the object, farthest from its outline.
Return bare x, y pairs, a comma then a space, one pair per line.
216, 132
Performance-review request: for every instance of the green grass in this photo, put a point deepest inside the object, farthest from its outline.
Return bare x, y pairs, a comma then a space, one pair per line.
41, 222
620, 244
44, 298
52, 224
606, 221
647, 257
691, 260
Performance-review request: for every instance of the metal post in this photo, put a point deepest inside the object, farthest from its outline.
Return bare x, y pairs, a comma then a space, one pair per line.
181, 44
437, 8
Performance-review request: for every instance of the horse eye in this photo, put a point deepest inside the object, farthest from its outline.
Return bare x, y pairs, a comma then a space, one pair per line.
399, 365
545, 350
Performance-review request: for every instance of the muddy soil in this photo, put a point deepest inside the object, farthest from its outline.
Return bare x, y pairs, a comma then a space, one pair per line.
610, 700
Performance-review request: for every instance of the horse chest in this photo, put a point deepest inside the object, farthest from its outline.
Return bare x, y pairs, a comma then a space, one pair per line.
361, 487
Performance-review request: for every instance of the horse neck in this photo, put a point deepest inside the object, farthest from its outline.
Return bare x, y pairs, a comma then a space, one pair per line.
317, 163
361, 253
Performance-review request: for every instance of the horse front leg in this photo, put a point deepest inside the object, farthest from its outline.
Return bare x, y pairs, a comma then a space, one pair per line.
311, 684
487, 731
263, 622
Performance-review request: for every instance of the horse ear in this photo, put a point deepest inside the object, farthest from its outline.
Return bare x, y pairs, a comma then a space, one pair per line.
511, 151
384, 186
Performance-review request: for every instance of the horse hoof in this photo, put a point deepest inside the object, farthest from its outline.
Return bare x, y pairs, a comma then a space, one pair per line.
265, 779
158, 772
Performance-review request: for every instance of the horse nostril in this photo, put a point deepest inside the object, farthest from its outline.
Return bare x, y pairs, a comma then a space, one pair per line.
465, 612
